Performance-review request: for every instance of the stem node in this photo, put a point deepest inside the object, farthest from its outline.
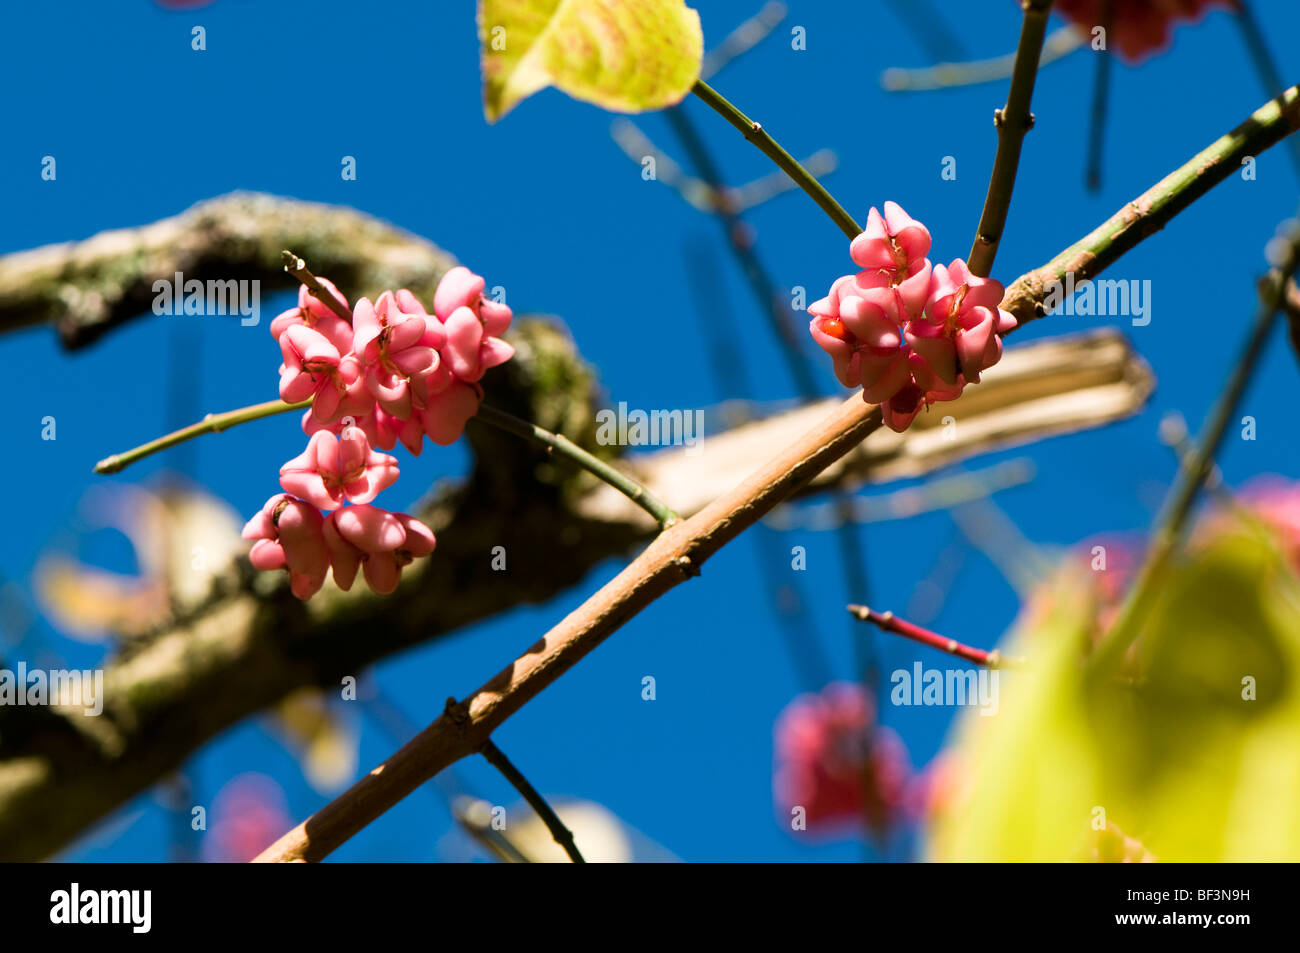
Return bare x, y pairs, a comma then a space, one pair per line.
1012, 121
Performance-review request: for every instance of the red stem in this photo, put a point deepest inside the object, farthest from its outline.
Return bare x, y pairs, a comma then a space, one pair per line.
891, 623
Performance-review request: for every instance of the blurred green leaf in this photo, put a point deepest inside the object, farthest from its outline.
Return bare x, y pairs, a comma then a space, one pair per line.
1170, 746
625, 57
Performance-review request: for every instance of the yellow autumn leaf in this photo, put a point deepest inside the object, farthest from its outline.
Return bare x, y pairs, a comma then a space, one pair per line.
622, 55
1190, 746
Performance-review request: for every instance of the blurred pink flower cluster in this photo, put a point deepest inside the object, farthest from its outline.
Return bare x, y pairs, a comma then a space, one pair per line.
1137, 27
907, 332
1276, 501
249, 812
842, 768
394, 372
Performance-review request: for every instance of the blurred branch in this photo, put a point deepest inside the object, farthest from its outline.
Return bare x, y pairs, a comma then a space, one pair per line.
938, 494
996, 535
1291, 307
771, 301
474, 815
1265, 63
743, 38
1100, 104
637, 146
930, 593
783, 589
86, 288
928, 27
1174, 435
1177, 510
699, 194
1058, 44
752, 194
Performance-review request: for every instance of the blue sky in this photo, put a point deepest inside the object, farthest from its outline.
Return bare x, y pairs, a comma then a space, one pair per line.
545, 204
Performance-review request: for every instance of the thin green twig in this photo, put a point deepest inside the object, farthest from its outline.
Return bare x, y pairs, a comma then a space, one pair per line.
755, 133
566, 448
216, 423
1013, 120
212, 423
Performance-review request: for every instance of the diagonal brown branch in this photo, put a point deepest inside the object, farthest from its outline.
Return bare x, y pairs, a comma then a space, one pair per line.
677, 554
674, 556
168, 692
168, 695
813, 445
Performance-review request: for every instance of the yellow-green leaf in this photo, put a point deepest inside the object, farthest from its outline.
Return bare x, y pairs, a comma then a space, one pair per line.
622, 55
1190, 746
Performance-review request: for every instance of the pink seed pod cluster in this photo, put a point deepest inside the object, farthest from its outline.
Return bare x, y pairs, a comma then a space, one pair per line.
395, 372
1276, 501
838, 764
1138, 28
907, 332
